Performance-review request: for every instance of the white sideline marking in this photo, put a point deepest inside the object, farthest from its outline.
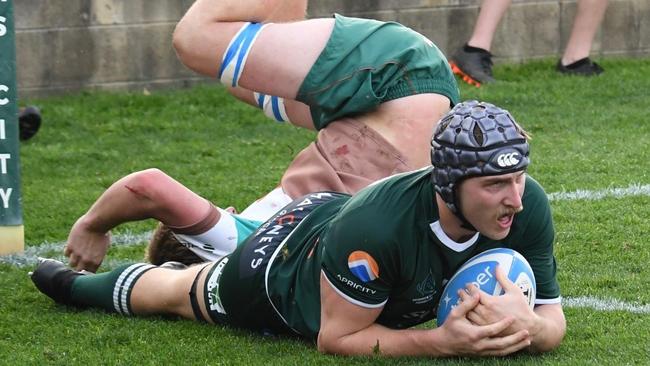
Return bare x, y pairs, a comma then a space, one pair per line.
635, 189
55, 250
605, 305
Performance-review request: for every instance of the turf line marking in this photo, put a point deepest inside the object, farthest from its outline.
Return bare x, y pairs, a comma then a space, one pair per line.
635, 189
605, 305
55, 250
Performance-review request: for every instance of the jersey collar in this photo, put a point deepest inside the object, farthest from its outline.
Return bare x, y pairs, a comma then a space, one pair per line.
448, 242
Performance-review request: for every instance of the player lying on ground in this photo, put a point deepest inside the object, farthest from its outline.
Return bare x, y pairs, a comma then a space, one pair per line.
375, 104
354, 273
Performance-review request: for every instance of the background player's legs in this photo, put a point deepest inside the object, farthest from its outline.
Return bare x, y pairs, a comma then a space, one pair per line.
488, 20
588, 17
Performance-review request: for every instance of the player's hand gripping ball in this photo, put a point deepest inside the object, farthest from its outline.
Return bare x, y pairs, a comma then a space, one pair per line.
480, 271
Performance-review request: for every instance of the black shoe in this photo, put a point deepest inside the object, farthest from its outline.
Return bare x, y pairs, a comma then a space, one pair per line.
54, 279
29, 121
582, 67
474, 67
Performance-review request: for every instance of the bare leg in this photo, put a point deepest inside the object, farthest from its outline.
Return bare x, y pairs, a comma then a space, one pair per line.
487, 22
474, 66
408, 124
588, 17
130, 289
298, 112
166, 291
136, 289
281, 57
203, 34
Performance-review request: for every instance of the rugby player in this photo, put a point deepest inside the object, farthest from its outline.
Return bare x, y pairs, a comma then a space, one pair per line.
354, 274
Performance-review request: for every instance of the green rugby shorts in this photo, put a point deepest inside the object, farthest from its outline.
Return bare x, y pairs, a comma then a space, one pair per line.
367, 62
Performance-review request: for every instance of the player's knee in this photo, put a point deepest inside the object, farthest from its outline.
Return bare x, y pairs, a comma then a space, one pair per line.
194, 45
180, 37
182, 42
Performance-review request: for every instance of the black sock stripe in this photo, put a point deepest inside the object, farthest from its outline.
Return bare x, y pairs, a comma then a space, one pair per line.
193, 301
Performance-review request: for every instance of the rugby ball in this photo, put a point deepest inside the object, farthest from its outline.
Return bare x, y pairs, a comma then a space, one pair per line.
480, 271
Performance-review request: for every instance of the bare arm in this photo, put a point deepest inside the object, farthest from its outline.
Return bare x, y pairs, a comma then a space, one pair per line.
138, 196
550, 329
349, 329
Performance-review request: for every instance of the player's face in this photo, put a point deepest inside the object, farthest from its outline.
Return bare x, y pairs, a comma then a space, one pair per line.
490, 203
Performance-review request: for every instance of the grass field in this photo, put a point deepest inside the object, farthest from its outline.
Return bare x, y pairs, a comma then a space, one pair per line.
591, 151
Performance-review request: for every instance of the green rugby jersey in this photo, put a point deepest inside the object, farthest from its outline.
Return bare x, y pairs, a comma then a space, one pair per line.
384, 247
